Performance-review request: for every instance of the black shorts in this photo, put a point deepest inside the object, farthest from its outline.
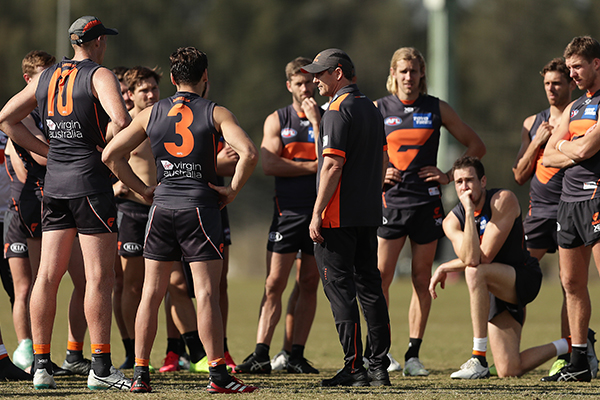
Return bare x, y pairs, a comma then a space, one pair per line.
194, 233
132, 218
30, 211
289, 233
528, 282
423, 224
540, 233
91, 214
225, 225
15, 236
578, 223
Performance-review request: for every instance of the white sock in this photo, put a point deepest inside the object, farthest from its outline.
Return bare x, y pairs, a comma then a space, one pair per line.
562, 346
480, 344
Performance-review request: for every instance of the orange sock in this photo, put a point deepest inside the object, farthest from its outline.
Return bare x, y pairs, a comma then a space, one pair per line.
100, 348
479, 353
215, 362
74, 346
142, 362
41, 349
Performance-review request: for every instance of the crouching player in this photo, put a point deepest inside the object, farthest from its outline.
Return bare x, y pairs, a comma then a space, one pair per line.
184, 132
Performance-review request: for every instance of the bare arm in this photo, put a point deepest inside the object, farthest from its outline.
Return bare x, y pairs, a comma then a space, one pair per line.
329, 178
524, 165
227, 159
116, 152
505, 208
15, 111
227, 124
106, 87
464, 134
441, 274
17, 163
553, 157
271, 149
313, 114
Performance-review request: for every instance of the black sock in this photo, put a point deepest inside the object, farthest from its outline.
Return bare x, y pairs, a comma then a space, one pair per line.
219, 374
173, 344
579, 357
481, 359
262, 351
181, 350
74, 355
566, 357
42, 361
297, 352
414, 345
144, 372
101, 364
192, 340
129, 348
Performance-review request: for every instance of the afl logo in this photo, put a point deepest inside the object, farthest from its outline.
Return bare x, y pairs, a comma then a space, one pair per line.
18, 248
275, 237
393, 121
288, 133
131, 247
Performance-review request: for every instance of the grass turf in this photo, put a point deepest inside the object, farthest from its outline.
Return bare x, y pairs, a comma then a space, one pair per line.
446, 346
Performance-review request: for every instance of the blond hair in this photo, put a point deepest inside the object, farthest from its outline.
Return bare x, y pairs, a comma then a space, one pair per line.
408, 54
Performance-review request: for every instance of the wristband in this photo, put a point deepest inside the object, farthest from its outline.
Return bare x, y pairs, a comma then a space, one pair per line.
560, 145
572, 161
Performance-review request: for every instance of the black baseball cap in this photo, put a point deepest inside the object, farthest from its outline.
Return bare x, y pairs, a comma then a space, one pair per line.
330, 58
88, 28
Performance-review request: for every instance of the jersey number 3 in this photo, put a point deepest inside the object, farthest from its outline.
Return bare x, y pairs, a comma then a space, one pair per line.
182, 128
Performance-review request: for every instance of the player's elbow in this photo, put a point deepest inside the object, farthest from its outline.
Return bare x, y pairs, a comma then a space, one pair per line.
519, 177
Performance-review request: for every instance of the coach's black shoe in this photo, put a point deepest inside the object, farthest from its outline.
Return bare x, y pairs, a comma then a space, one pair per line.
569, 374
379, 377
356, 377
253, 365
300, 366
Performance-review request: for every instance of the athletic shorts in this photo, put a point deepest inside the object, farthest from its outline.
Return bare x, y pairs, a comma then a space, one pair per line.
30, 211
423, 224
289, 233
91, 214
528, 282
15, 236
578, 223
540, 233
132, 218
194, 233
225, 225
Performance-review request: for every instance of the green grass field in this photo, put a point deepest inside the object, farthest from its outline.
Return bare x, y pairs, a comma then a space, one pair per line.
446, 346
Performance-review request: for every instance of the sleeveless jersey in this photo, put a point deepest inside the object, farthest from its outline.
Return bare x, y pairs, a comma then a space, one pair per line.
296, 195
184, 143
413, 136
581, 181
15, 184
75, 124
546, 183
35, 172
513, 251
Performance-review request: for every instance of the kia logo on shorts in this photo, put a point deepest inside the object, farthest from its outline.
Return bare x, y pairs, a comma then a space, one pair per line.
132, 247
393, 121
275, 236
18, 248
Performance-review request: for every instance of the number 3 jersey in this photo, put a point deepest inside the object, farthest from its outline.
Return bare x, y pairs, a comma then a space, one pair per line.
413, 135
75, 124
184, 143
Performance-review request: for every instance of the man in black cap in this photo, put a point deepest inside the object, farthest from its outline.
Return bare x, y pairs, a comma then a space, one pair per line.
77, 99
352, 154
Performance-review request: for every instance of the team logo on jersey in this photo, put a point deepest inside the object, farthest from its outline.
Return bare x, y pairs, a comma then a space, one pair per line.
275, 237
131, 247
51, 124
311, 135
589, 185
393, 121
287, 133
590, 112
18, 248
167, 165
408, 110
422, 120
595, 222
385, 221
482, 225
434, 191
64, 129
574, 112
